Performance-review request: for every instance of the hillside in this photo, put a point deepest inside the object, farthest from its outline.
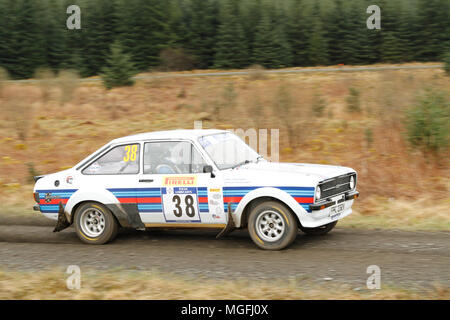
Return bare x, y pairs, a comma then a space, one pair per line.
354, 119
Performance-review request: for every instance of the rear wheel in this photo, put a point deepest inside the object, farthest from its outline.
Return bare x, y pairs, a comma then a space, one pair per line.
95, 224
272, 226
319, 231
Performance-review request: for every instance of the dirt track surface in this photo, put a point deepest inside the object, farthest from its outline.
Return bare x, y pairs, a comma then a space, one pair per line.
407, 259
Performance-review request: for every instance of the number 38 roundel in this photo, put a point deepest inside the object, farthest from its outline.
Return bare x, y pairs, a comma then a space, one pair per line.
180, 204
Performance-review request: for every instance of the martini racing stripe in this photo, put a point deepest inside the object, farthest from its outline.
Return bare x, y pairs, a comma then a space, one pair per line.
303, 195
147, 199
202, 193
49, 199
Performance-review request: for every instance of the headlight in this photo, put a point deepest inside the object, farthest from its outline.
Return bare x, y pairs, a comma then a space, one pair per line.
318, 191
352, 183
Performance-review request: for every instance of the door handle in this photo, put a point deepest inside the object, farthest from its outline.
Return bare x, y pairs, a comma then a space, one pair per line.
146, 180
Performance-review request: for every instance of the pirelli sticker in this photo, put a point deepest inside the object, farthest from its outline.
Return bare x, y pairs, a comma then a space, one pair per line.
185, 181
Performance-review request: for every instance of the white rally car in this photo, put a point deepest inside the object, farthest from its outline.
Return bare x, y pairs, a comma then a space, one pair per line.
194, 178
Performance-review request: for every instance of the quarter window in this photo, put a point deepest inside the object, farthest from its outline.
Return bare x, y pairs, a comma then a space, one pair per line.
119, 160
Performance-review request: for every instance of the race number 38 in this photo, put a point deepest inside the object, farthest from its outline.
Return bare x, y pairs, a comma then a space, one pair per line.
180, 204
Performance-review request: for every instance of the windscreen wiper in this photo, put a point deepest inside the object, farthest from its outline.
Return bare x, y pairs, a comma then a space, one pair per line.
240, 164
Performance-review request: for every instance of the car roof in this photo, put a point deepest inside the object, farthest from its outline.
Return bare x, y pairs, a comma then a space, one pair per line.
190, 134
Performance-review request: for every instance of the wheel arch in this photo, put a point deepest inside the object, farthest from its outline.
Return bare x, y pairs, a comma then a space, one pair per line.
253, 203
266, 194
83, 196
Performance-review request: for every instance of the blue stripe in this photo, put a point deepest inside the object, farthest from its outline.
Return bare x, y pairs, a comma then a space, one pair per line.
158, 196
123, 190
58, 190
233, 207
150, 205
49, 210
56, 195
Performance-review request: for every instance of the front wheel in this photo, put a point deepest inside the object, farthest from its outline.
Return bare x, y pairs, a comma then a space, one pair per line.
95, 224
319, 231
272, 226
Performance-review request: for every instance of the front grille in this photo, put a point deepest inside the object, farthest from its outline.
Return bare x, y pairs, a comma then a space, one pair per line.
336, 185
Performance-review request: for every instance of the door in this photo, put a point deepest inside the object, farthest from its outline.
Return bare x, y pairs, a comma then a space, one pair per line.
173, 188
117, 171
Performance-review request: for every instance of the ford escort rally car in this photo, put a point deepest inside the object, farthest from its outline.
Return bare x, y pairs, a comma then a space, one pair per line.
194, 178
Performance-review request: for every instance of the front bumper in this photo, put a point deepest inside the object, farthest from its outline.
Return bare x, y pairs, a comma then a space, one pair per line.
329, 203
326, 211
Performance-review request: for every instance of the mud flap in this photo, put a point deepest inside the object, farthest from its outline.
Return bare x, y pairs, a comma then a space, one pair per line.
230, 225
62, 222
127, 214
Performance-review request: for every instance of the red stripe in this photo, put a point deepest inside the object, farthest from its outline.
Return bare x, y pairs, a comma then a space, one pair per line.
140, 200
127, 200
149, 200
232, 199
53, 201
304, 199
202, 199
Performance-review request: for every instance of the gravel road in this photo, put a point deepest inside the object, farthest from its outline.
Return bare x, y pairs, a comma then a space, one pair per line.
411, 260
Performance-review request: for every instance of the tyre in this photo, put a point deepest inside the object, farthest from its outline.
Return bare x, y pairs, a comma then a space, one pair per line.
272, 226
95, 224
319, 231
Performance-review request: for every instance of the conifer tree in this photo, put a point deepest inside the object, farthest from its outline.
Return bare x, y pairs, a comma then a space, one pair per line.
297, 33
23, 45
317, 44
271, 48
250, 16
119, 69
99, 33
203, 24
55, 36
337, 33
231, 48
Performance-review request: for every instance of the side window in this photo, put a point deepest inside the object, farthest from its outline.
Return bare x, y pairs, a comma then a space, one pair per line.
174, 157
119, 160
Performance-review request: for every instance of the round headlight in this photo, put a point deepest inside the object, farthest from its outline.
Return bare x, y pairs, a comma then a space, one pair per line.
352, 183
318, 191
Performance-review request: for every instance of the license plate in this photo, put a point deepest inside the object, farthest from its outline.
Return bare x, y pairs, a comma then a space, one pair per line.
336, 211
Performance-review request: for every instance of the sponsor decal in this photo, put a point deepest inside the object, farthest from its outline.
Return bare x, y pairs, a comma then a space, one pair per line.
180, 181
48, 197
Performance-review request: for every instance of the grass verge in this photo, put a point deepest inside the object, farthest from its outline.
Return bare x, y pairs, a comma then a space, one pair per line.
51, 284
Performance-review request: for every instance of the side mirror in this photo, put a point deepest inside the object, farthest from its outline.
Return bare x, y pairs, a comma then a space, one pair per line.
208, 169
